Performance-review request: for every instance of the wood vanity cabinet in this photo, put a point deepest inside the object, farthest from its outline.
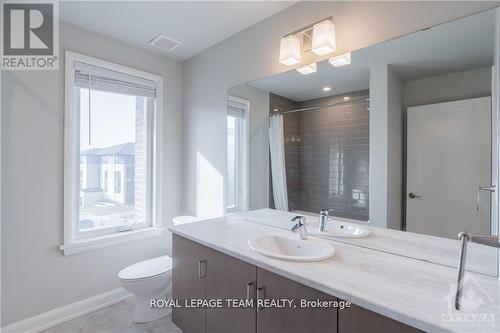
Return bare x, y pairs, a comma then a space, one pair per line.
230, 278
359, 320
203, 273
285, 320
188, 283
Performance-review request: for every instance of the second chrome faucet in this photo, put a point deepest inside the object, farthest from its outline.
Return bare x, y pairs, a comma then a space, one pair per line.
323, 219
464, 237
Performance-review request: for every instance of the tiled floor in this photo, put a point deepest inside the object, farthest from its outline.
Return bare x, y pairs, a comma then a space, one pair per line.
114, 319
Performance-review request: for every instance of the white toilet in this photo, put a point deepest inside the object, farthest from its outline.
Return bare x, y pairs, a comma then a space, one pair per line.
148, 279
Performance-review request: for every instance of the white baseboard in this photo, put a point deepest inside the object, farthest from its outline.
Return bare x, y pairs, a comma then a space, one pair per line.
71, 311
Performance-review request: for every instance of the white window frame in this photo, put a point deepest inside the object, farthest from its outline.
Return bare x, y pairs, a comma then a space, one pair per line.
71, 243
243, 178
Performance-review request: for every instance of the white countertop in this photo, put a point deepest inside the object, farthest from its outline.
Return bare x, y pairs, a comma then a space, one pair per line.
414, 292
444, 251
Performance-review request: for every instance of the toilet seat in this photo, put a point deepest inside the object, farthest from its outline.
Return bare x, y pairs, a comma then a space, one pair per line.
146, 269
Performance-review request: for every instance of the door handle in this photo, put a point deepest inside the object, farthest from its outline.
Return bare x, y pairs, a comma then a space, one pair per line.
490, 189
412, 195
261, 294
249, 293
200, 264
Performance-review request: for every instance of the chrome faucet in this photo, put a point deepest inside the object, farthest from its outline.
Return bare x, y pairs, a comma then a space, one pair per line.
300, 226
493, 241
323, 219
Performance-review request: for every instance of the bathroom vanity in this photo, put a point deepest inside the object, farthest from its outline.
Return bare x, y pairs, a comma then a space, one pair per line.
389, 293
203, 273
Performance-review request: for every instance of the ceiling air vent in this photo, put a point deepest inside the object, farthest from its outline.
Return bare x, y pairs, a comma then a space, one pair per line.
165, 43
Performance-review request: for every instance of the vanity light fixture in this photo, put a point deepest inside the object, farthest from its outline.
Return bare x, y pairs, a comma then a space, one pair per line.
341, 60
323, 38
307, 69
318, 37
327, 88
290, 50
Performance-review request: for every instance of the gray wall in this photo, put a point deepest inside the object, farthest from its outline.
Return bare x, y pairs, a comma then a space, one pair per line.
378, 145
36, 277
386, 147
259, 143
253, 54
449, 87
395, 127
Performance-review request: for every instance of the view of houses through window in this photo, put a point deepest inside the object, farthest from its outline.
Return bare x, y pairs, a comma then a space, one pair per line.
113, 158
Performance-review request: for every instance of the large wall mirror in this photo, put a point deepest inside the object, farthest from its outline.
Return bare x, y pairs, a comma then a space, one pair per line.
403, 138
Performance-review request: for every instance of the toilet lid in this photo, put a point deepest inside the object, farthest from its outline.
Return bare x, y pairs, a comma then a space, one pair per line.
147, 268
185, 219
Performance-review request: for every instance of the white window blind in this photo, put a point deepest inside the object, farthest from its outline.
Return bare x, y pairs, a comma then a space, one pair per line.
97, 78
236, 110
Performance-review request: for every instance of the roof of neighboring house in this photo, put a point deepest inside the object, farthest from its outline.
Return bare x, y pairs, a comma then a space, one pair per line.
122, 149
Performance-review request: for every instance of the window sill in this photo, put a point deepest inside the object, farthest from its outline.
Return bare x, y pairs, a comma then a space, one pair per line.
95, 243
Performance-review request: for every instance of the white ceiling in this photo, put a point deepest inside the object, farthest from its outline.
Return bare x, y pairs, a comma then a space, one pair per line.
197, 24
457, 46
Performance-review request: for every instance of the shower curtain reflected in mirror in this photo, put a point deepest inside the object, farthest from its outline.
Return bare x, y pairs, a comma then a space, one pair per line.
278, 169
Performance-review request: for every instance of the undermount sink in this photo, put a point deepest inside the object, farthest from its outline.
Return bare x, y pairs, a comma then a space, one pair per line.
340, 229
283, 248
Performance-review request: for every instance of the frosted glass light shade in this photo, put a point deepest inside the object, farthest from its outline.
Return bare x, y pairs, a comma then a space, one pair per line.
307, 69
341, 60
323, 39
290, 50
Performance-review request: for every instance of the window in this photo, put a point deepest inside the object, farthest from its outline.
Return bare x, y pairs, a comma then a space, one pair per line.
237, 148
118, 182
105, 181
112, 128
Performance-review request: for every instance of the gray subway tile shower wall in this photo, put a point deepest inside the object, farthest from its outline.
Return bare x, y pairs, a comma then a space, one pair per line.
327, 155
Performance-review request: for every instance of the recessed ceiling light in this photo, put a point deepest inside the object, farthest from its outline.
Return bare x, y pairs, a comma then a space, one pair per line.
341, 60
165, 43
327, 88
276, 109
346, 98
307, 69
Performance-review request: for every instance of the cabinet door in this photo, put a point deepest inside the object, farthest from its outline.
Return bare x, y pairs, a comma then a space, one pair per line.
291, 320
359, 320
188, 282
230, 278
